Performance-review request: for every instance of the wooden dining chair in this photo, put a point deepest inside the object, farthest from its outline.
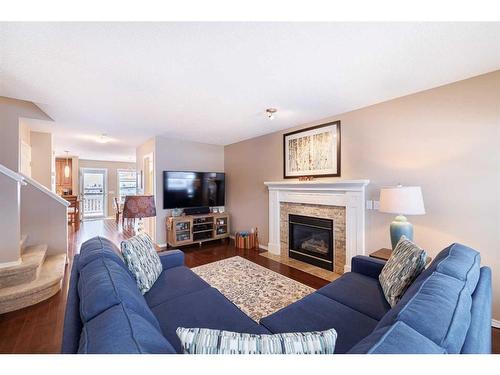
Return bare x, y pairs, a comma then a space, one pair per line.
73, 210
118, 211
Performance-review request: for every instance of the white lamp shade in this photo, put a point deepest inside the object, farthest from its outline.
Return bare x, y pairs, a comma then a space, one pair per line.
402, 200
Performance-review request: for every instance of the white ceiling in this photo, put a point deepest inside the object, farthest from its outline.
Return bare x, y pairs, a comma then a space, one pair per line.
211, 82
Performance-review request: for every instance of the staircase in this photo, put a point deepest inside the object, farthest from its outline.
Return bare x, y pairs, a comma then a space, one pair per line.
38, 272
35, 279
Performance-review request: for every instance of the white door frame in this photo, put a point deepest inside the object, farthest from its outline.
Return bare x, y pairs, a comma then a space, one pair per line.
152, 164
149, 156
105, 190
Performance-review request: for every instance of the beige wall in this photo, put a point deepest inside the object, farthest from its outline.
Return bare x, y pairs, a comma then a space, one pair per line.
12, 128
10, 223
176, 155
446, 140
44, 218
112, 182
41, 158
11, 112
24, 132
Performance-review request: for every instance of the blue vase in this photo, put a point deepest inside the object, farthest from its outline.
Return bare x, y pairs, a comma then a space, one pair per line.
400, 227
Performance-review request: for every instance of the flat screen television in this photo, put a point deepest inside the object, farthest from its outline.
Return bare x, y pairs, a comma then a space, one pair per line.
193, 189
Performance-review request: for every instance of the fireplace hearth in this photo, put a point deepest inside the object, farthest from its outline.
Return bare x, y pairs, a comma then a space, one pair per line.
311, 240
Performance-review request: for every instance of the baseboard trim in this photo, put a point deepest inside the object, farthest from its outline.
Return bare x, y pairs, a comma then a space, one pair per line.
495, 323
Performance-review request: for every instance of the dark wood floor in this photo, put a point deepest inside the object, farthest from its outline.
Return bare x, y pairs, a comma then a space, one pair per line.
38, 328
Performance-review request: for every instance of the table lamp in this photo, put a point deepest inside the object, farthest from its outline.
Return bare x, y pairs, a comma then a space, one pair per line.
401, 200
139, 207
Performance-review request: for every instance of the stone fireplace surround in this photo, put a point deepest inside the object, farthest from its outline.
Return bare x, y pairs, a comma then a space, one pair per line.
335, 213
326, 197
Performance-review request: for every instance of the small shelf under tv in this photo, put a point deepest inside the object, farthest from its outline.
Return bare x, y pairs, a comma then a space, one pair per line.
191, 229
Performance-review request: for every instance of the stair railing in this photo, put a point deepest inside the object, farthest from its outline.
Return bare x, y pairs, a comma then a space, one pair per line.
13, 175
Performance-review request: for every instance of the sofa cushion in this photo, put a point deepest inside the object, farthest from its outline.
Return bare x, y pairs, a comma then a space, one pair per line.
463, 263
359, 292
119, 330
98, 247
102, 284
205, 308
316, 312
441, 311
172, 283
142, 260
407, 261
215, 341
470, 260
395, 339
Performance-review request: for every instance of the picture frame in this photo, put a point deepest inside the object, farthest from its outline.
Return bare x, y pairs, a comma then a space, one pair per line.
312, 152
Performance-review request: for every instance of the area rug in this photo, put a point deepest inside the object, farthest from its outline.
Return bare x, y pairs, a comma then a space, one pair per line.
256, 290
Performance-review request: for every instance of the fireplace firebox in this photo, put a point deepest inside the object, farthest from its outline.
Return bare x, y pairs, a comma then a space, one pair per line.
310, 240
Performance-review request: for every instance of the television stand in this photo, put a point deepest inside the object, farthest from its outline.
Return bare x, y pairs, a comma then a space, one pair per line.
191, 229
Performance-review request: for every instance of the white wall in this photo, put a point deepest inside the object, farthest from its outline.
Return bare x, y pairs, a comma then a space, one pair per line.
176, 155
41, 158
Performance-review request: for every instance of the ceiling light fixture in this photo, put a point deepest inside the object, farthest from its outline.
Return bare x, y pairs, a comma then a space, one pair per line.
66, 167
103, 138
271, 113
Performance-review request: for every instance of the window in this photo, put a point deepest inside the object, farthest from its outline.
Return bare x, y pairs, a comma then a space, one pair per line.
127, 182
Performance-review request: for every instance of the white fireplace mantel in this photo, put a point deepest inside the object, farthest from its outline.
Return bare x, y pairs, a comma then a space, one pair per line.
330, 192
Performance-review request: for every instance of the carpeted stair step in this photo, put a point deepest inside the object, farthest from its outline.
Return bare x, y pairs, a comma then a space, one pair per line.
47, 284
31, 262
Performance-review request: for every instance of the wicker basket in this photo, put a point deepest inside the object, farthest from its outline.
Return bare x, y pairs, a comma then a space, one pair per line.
246, 240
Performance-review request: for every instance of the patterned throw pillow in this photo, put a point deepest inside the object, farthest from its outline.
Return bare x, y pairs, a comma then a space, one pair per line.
142, 260
214, 341
405, 264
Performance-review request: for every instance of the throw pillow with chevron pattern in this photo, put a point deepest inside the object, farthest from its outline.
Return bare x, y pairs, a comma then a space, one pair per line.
214, 341
142, 260
405, 264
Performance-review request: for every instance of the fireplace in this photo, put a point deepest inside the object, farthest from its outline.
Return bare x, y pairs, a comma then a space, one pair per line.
310, 240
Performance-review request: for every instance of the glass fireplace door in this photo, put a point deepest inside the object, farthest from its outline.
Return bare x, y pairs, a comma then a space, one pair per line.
311, 240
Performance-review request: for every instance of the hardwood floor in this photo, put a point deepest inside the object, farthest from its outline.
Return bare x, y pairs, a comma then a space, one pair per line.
38, 328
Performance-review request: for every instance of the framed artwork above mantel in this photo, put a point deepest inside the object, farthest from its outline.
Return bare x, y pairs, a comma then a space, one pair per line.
312, 152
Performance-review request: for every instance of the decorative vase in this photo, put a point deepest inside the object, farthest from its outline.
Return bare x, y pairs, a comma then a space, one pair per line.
400, 227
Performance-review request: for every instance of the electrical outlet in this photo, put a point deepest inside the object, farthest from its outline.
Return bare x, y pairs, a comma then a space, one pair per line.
376, 205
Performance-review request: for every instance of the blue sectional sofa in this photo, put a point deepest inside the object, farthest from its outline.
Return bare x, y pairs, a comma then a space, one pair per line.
446, 310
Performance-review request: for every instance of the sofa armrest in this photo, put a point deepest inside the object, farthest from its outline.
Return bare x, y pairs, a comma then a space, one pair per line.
367, 266
72, 321
171, 259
